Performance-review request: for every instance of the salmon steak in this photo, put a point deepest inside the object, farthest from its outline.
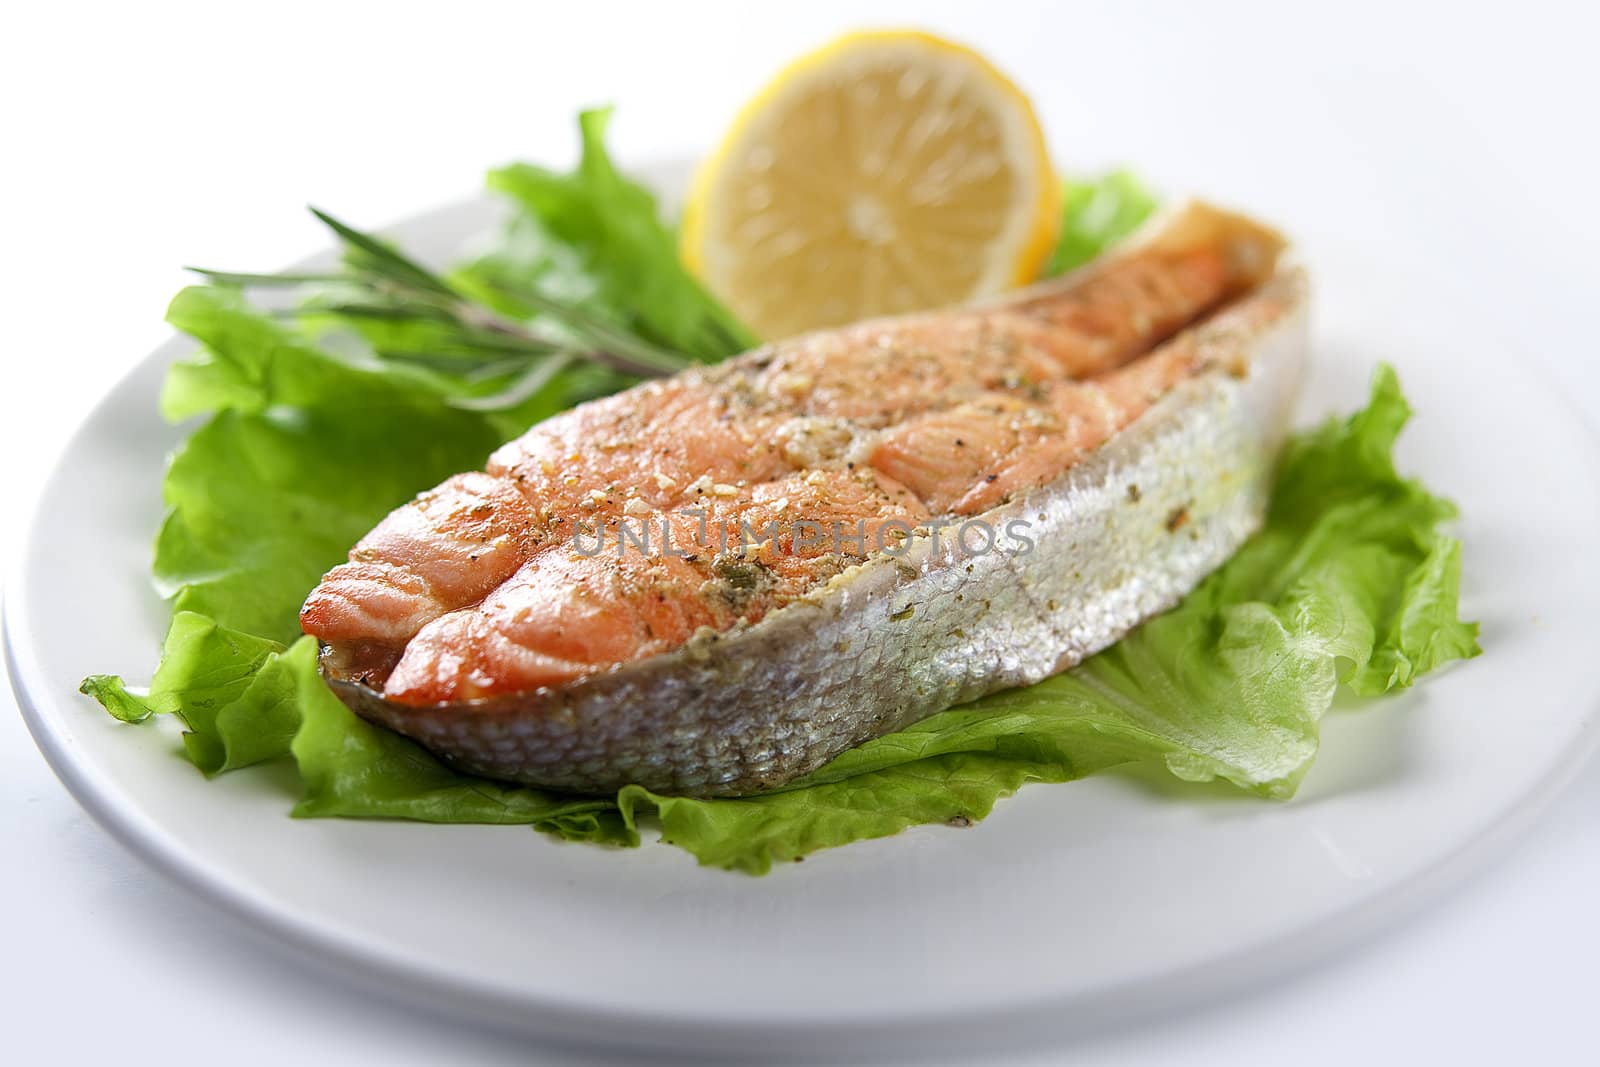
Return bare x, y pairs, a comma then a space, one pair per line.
714, 583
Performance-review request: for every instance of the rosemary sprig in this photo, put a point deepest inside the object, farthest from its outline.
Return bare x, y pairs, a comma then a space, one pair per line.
364, 250
380, 284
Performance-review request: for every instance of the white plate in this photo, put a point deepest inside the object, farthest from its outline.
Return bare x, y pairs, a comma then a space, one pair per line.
1071, 904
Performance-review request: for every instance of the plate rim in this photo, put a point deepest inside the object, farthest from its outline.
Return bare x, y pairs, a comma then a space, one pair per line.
1293, 951
1250, 965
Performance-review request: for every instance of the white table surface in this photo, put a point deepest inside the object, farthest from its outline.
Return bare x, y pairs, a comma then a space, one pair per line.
144, 136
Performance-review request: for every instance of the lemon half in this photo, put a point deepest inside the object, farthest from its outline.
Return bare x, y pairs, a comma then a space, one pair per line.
887, 172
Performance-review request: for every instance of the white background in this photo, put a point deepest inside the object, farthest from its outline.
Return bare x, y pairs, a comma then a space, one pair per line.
145, 136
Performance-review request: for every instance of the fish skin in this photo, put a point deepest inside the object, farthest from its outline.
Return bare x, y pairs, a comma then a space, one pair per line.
1122, 535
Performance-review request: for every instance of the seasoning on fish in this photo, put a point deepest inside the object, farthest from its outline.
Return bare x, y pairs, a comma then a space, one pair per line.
714, 583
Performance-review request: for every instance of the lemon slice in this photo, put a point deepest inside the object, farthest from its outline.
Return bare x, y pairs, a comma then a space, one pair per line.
887, 172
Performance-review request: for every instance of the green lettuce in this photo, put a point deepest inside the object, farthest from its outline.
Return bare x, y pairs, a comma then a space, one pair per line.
595, 235
301, 451
1350, 582
1096, 213
302, 454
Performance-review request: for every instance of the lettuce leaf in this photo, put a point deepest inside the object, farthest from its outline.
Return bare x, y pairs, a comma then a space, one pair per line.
302, 455
1096, 213
301, 452
1350, 582
595, 235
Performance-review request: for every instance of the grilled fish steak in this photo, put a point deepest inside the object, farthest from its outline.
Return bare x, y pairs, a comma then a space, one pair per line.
854, 529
